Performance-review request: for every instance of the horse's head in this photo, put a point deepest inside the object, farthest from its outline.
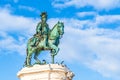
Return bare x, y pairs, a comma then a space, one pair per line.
60, 28
57, 31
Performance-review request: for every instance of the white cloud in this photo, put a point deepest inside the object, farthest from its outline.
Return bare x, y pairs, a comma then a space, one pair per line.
12, 26
97, 4
32, 9
11, 45
83, 14
15, 1
26, 7
11, 22
107, 18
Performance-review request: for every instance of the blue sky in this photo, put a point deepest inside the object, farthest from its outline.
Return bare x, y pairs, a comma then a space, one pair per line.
90, 46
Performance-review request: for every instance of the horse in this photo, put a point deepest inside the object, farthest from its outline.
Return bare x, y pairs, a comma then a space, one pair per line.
53, 40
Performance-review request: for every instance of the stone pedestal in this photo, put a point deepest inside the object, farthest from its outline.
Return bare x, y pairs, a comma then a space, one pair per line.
45, 72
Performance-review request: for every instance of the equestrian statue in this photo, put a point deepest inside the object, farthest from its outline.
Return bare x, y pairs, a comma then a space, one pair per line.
44, 39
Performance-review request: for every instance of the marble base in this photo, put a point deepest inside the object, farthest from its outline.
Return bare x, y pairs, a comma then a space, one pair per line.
45, 72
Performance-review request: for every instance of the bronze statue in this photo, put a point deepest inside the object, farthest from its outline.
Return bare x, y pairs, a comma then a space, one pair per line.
44, 39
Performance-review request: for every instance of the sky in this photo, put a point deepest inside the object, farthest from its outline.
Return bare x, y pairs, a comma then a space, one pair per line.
90, 46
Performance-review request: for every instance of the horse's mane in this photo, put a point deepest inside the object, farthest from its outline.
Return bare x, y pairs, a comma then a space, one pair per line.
53, 27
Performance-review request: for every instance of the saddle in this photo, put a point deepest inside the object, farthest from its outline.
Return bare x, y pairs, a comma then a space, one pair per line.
36, 39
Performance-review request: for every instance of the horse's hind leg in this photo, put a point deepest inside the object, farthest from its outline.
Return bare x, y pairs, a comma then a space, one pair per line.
36, 57
28, 59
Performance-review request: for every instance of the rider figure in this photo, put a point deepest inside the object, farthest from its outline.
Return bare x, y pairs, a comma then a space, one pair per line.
35, 40
43, 29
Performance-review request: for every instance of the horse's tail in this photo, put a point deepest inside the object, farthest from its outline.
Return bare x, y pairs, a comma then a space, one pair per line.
27, 52
25, 63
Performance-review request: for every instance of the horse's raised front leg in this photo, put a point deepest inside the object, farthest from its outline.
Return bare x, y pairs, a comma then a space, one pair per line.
54, 52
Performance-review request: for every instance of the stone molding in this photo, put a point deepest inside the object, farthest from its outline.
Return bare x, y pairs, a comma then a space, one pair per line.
45, 72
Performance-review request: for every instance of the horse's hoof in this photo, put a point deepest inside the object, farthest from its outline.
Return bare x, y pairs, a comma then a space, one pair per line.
27, 65
37, 63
